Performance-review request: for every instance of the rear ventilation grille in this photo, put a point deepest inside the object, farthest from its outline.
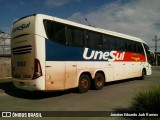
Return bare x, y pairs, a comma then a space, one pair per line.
22, 50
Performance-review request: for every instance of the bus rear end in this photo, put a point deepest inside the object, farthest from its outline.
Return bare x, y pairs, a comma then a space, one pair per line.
26, 63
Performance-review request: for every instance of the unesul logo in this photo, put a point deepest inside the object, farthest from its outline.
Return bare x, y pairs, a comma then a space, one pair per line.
100, 55
21, 27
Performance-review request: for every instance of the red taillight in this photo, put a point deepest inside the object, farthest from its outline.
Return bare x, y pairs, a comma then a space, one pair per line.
37, 69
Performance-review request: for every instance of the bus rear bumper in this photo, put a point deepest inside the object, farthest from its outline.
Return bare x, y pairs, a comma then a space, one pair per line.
30, 85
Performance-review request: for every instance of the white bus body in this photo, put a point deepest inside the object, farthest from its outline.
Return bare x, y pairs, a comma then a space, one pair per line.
50, 53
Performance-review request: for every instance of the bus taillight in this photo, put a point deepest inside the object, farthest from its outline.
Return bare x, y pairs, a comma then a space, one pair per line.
37, 69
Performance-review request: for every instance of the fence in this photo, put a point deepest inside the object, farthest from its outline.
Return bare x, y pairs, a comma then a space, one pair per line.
5, 40
5, 57
5, 66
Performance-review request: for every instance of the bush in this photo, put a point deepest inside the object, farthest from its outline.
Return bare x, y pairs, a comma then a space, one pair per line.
147, 101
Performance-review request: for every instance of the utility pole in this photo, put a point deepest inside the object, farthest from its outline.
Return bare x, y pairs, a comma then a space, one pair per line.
156, 40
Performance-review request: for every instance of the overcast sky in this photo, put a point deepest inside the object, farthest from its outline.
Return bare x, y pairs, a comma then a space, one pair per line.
139, 18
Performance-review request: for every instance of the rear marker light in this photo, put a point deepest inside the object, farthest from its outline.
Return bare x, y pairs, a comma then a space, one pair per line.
37, 69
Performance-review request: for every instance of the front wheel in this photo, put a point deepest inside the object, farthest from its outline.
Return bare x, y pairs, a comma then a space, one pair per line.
84, 83
143, 75
98, 81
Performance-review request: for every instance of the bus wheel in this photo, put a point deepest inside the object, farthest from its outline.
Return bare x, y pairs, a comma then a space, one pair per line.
143, 74
98, 82
84, 83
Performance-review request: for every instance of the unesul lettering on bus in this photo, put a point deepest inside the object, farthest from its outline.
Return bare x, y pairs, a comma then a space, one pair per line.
110, 56
21, 27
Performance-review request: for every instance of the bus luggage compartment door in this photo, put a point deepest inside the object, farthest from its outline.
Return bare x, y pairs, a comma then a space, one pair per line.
71, 74
55, 75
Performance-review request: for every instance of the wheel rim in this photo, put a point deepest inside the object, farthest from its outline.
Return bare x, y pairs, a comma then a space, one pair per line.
84, 83
99, 81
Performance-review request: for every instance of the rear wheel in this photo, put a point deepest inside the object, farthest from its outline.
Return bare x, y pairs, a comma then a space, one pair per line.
84, 83
98, 82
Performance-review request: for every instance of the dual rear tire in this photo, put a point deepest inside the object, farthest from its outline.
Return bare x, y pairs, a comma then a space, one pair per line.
85, 82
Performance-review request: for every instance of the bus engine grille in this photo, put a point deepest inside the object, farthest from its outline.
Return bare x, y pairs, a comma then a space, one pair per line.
22, 50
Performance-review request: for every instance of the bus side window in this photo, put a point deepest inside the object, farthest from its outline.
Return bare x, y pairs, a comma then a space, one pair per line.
106, 42
69, 35
59, 33
49, 28
78, 37
112, 42
90, 42
75, 36
131, 46
94, 39
120, 44
139, 48
55, 31
146, 48
109, 42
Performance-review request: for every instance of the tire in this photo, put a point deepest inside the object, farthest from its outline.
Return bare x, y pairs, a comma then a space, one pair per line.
143, 75
84, 83
98, 81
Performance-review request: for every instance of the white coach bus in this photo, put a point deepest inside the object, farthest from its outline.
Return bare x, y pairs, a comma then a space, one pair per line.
50, 53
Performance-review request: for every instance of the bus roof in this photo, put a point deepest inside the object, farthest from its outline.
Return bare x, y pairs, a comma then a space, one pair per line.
96, 29
108, 32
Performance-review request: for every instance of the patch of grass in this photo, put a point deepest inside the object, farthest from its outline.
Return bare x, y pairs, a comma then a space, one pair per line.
147, 101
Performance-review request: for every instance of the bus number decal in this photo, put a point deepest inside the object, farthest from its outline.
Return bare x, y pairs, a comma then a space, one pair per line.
21, 63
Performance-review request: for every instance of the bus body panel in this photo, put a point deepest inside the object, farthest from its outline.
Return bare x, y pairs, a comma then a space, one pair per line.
23, 51
39, 28
30, 85
23, 48
137, 68
109, 74
26, 47
55, 75
148, 68
119, 72
23, 26
129, 67
61, 75
23, 64
71, 74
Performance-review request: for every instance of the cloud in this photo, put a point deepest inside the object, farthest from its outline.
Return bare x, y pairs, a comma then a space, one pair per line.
59, 3
56, 3
140, 18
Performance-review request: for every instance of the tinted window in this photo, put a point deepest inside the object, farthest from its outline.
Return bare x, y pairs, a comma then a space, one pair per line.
94, 40
139, 48
75, 36
147, 52
109, 42
120, 44
131, 46
69, 35
55, 31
